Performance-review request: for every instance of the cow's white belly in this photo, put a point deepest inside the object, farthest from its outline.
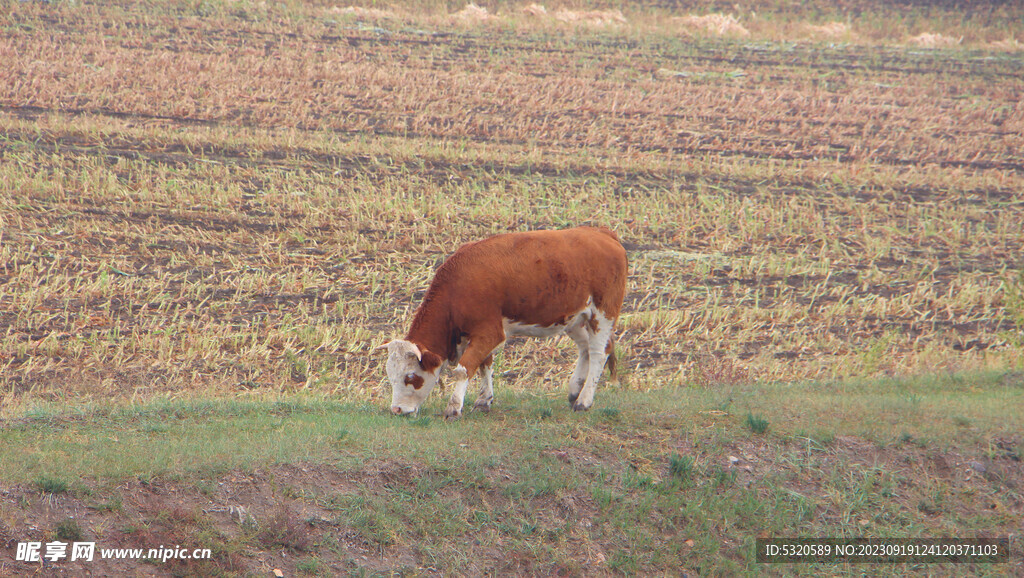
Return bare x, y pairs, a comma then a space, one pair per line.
515, 328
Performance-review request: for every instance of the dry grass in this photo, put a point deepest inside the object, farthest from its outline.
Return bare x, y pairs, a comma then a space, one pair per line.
830, 30
930, 40
176, 220
472, 13
361, 12
591, 17
1007, 45
535, 9
714, 24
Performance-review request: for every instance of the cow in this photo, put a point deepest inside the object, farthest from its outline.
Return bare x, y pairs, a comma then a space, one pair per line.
534, 283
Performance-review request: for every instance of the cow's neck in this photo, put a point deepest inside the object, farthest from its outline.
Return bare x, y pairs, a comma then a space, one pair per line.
431, 329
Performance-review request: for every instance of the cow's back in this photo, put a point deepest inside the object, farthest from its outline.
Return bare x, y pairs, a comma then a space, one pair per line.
536, 277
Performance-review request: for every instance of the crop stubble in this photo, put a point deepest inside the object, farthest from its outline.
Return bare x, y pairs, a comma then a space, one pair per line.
230, 203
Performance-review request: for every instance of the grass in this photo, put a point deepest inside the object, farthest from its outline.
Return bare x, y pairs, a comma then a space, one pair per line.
214, 435
653, 488
756, 423
681, 467
68, 531
50, 485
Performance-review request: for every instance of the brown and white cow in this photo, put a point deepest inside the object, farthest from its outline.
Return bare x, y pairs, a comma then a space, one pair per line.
537, 283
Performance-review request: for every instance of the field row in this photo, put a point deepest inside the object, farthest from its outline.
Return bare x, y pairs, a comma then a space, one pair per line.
127, 274
761, 100
175, 219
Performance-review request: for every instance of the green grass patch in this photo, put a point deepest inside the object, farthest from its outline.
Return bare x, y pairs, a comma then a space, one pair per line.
51, 485
179, 436
756, 423
665, 481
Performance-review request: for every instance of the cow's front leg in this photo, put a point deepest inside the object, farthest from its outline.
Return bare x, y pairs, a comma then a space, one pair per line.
461, 376
486, 397
480, 348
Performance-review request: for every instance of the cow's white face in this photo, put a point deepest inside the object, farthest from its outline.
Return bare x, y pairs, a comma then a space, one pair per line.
411, 383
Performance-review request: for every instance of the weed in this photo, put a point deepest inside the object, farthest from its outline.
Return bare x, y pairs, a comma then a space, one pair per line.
722, 477
716, 371
155, 427
285, 530
376, 527
68, 530
756, 423
299, 367
114, 504
681, 467
624, 562
817, 439
51, 485
634, 479
310, 566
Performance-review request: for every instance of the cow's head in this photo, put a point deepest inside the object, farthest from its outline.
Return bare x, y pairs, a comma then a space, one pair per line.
412, 373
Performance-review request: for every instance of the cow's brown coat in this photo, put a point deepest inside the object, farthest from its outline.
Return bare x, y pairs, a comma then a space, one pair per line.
535, 278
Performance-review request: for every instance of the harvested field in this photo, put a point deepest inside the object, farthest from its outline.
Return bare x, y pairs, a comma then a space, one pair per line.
256, 201
239, 199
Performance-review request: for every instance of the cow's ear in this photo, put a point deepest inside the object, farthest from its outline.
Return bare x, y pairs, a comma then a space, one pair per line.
430, 361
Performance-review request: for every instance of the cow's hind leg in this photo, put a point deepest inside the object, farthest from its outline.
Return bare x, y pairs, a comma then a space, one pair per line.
581, 337
599, 329
486, 397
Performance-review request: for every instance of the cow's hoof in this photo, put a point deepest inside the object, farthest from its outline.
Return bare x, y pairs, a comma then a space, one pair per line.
452, 413
572, 398
484, 406
580, 407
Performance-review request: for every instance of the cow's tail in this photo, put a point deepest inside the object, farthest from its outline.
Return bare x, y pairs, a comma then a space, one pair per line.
610, 350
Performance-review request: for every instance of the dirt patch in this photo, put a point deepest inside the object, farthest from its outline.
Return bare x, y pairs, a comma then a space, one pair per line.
253, 521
